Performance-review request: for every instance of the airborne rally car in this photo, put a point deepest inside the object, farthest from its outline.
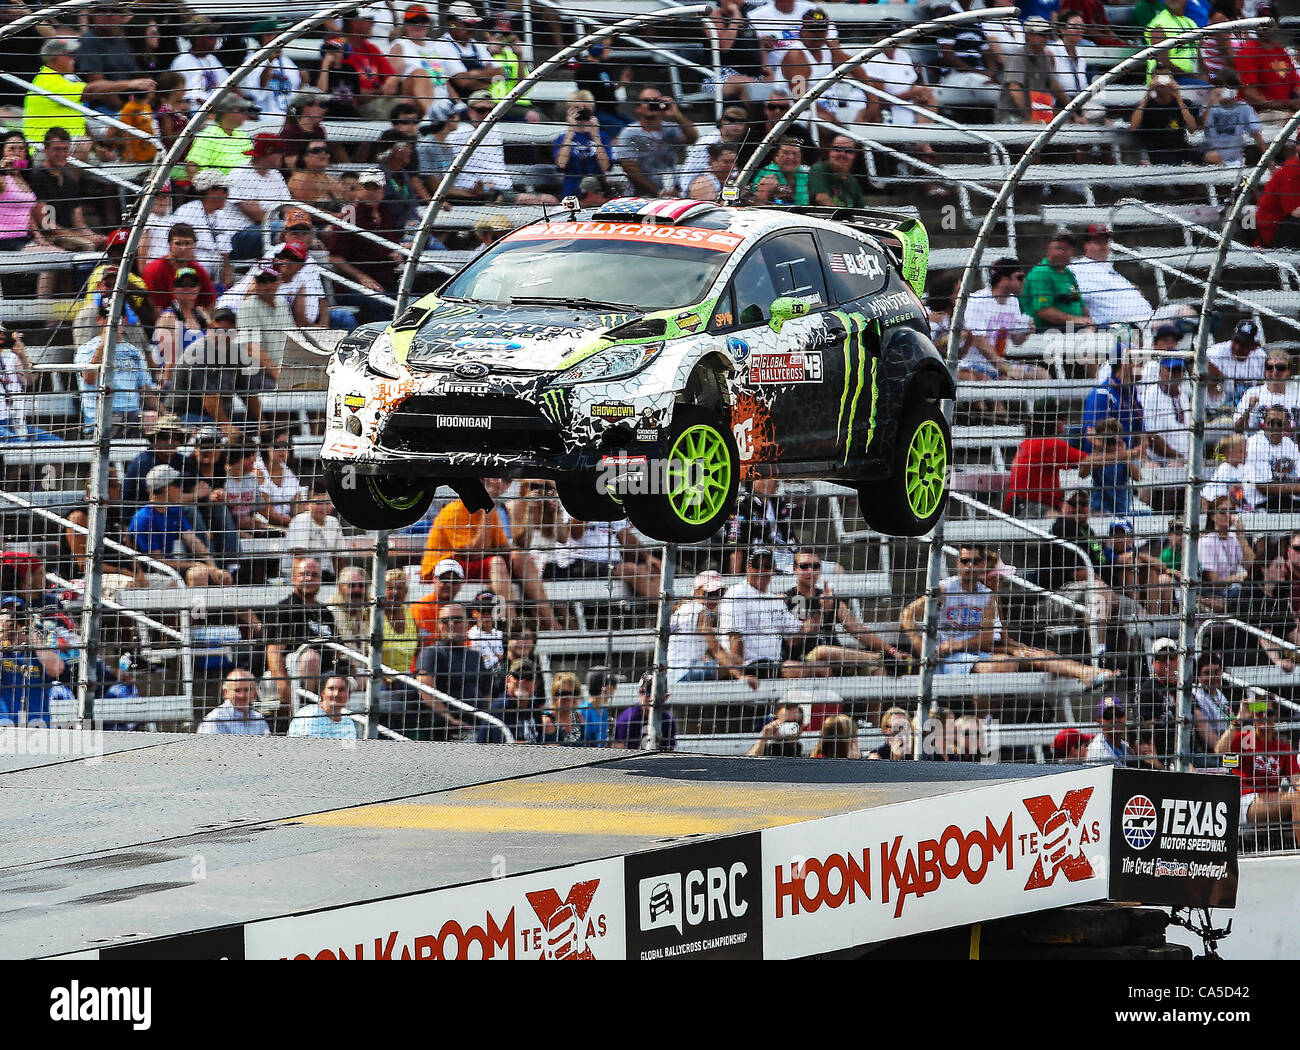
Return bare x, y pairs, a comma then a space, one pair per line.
648, 355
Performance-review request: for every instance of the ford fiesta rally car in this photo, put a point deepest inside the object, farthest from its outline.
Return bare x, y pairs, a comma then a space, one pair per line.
646, 357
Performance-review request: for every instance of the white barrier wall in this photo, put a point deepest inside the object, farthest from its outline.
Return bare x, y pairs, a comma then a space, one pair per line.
1266, 922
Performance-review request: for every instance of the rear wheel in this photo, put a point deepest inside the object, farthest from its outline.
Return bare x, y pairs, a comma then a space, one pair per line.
580, 497
378, 502
694, 488
911, 500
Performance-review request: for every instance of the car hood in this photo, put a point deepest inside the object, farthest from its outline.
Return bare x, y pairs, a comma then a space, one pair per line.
506, 338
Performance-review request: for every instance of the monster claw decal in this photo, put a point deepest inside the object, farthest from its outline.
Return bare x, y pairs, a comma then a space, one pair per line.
555, 406
855, 364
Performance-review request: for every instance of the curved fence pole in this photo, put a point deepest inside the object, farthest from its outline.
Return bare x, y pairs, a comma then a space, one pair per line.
103, 423
817, 90
431, 208
1189, 584
934, 571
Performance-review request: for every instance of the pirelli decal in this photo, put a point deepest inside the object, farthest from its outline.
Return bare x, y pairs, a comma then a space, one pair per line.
858, 363
555, 406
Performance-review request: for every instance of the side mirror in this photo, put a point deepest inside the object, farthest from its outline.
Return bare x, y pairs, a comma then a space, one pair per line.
785, 308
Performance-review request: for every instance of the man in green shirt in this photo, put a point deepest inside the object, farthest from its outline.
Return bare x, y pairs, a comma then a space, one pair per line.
1183, 62
786, 180
832, 182
1050, 294
223, 144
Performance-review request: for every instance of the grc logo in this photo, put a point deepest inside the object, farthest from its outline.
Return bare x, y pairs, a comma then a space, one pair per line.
956, 854
812, 883
1060, 838
566, 932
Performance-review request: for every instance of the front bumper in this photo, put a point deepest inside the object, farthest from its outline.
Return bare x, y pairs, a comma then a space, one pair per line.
436, 425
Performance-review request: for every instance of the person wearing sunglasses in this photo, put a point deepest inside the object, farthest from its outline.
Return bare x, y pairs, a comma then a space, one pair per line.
452, 666
650, 149
1273, 464
486, 177
1277, 390
561, 723
993, 319
821, 652
418, 61
1111, 745
968, 617
1264, 759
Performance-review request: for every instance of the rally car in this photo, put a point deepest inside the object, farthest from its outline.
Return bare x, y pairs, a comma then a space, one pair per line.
647, 356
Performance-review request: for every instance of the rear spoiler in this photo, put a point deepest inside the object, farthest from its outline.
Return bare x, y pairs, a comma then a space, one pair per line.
899, 229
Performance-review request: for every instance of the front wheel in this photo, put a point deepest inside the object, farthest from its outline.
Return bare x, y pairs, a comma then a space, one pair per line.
378, 502
692, 491
911, 500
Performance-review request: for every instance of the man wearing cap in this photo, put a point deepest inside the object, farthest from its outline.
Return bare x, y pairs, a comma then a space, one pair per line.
104, 54
1108, 296
1272, 471
635, 727
993, 319
29, 668
1029, 77
277, 79
416, 59
518, 709
156, 528
264, 323
165, 437
1237, 364
446, 579
223, 144
756, 623
697, 652
1050, 294
1166, 415
504, 47
56, 82
257, 191
378, 84
467, 63
371, 265
1111, 745
213, 226
1071, 745
777, 23
1270, 80
811, 57
486, 177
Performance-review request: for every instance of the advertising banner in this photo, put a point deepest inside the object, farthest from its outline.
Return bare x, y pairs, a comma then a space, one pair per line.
935, 863
701, 901
1174, 838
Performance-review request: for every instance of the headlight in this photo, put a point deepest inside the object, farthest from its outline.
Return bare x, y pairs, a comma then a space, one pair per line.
383, 359
610, 363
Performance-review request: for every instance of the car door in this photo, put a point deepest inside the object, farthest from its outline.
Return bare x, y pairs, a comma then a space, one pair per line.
781, 378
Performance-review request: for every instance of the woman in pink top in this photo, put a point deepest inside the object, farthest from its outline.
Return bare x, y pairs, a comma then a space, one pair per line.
20, 212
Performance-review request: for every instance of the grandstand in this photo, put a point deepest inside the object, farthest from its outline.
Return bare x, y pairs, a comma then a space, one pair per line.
169, 539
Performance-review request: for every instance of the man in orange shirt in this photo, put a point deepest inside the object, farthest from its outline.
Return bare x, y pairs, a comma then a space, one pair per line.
478, 543
447, 578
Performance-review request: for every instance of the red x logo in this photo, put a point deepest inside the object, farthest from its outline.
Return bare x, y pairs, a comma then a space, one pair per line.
1060, 848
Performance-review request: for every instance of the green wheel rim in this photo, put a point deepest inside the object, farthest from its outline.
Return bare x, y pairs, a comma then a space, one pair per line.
698, 475
926, 470
402, 502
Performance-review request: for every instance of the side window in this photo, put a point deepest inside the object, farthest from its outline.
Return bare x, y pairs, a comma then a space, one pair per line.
752, 289
794, 268
853, 268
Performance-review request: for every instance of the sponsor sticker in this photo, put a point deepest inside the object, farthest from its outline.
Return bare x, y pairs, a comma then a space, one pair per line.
1138, 822
862, 264
738, 347
470, 370
689, 323
466, 422
355, 402
799, 367
723, 319
647, 433
487, 344
339, 446
613, 410
713, 240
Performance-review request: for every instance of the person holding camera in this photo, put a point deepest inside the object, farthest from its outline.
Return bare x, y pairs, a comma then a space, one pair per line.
780, 737
29, 668
582, 149
1162, 121
1264, 759
649, 149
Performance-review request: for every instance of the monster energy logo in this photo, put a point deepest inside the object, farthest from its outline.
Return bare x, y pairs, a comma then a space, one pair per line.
555, 406
855, 335
448, 311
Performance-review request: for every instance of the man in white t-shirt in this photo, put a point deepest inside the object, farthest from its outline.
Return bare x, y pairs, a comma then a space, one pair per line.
214, 224
1236, 364
467, 64
1273, 465
993, 319
1110, 744
756, 622
777, 25
202, 70
256, 191
317, 533
1166, 416
277, 79
895, 72
1276, 390
1108, 296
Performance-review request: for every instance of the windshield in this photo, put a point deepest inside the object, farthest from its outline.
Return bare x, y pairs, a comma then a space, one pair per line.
639, 267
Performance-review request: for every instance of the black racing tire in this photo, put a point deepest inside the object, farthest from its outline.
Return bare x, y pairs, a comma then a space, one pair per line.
702, 473
912, 499
378, 502
579, 497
